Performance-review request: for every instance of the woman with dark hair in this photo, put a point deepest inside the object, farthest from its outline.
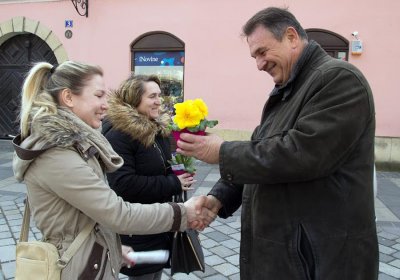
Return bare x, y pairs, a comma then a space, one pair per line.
137, 130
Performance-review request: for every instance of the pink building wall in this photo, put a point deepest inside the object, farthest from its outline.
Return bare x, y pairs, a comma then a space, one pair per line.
218, 66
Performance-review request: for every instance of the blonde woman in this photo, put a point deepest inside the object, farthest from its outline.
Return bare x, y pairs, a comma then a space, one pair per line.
62, 158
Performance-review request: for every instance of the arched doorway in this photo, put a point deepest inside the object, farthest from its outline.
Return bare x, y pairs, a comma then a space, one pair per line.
334, 44
17, 55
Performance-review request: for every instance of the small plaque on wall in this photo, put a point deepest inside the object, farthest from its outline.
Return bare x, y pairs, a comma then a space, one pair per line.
68, 34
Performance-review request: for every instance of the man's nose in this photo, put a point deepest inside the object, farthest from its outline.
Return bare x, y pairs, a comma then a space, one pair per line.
260, 63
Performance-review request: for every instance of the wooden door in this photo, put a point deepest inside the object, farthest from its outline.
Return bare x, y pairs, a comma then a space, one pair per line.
17, 55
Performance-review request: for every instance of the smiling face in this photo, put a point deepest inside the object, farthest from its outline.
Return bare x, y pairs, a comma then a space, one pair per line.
151, 101
275, 57
91, 105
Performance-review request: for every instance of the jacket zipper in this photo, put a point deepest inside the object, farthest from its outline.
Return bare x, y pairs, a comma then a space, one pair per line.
161, 155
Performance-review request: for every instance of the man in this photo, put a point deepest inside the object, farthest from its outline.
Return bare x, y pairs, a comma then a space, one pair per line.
305, 179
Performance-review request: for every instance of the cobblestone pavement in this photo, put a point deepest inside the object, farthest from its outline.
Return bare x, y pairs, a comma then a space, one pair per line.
220, 242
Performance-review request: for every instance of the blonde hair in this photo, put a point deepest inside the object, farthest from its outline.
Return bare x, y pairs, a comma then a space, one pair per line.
43, 84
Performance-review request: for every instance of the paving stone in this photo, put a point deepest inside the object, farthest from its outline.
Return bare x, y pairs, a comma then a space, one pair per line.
217, 236
5, 234
7, 253
10, 209
216, 277
7, 242
208, 243
235, 276
388, 235
386, 250
213, 260
207, 272
184, 276
206, 252
396, 246
231, 243
9, 269
385, 258
225, 229
382, 276
222, 251
7, 202
395, 263
396, 255
226, 269
15, 222
234, 259
13, 217
389, 270
235, 225
235, 236
3, 228
386, 242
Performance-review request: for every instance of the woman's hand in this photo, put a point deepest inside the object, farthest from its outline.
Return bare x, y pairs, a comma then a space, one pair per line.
186, 180
126, 261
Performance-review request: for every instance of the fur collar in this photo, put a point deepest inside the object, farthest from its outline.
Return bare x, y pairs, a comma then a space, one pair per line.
125, 118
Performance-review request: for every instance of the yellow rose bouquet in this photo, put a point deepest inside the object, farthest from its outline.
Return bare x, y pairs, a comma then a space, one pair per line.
190, 117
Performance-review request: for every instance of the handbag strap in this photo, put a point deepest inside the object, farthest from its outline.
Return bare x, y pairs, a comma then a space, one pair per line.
72, 249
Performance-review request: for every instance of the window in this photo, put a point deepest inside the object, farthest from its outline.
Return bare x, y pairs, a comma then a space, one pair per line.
334, 44
161, 54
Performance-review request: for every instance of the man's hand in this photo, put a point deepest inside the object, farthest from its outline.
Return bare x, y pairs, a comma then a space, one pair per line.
205, 148
198, 215
213, 204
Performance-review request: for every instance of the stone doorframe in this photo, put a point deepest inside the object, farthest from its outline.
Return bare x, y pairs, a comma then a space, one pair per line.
18, 25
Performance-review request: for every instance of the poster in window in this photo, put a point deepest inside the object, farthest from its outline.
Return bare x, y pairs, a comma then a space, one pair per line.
168, 66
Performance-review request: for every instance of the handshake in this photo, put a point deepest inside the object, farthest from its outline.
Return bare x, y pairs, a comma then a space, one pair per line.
201, 211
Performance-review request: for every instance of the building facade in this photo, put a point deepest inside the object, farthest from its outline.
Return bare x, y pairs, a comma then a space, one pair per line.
197, 49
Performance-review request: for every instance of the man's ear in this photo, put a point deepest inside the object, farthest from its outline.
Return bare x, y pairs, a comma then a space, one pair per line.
66, 99
292, 36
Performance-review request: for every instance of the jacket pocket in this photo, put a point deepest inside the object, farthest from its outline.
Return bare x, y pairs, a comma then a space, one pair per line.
305, 253
96, 264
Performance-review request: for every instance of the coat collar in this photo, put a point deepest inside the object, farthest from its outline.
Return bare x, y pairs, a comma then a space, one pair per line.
311, 49
125, 118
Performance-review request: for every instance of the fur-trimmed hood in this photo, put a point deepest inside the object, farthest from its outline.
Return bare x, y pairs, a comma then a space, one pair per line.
64, 130
125, 118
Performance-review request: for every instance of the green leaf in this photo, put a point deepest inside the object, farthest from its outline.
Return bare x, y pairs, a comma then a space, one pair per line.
212, 123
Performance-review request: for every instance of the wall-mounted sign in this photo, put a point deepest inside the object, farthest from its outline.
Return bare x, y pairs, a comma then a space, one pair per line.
68, 34
69, 23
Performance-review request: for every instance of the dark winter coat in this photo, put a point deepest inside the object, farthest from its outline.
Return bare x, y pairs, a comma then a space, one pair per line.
146, 176
305, 179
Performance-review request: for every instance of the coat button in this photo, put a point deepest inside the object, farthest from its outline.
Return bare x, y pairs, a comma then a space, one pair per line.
229, 177
96, 266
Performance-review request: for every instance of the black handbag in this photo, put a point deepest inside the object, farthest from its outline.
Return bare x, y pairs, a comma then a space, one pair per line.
186, 253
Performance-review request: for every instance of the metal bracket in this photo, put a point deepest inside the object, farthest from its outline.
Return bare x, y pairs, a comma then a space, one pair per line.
81, 6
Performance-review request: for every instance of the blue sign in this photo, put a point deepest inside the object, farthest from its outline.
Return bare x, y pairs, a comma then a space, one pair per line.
69, 23
159, 58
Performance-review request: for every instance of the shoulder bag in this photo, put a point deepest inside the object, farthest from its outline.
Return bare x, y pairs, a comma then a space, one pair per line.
41, 260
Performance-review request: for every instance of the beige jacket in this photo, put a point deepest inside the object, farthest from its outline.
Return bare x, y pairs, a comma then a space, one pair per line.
67, 189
